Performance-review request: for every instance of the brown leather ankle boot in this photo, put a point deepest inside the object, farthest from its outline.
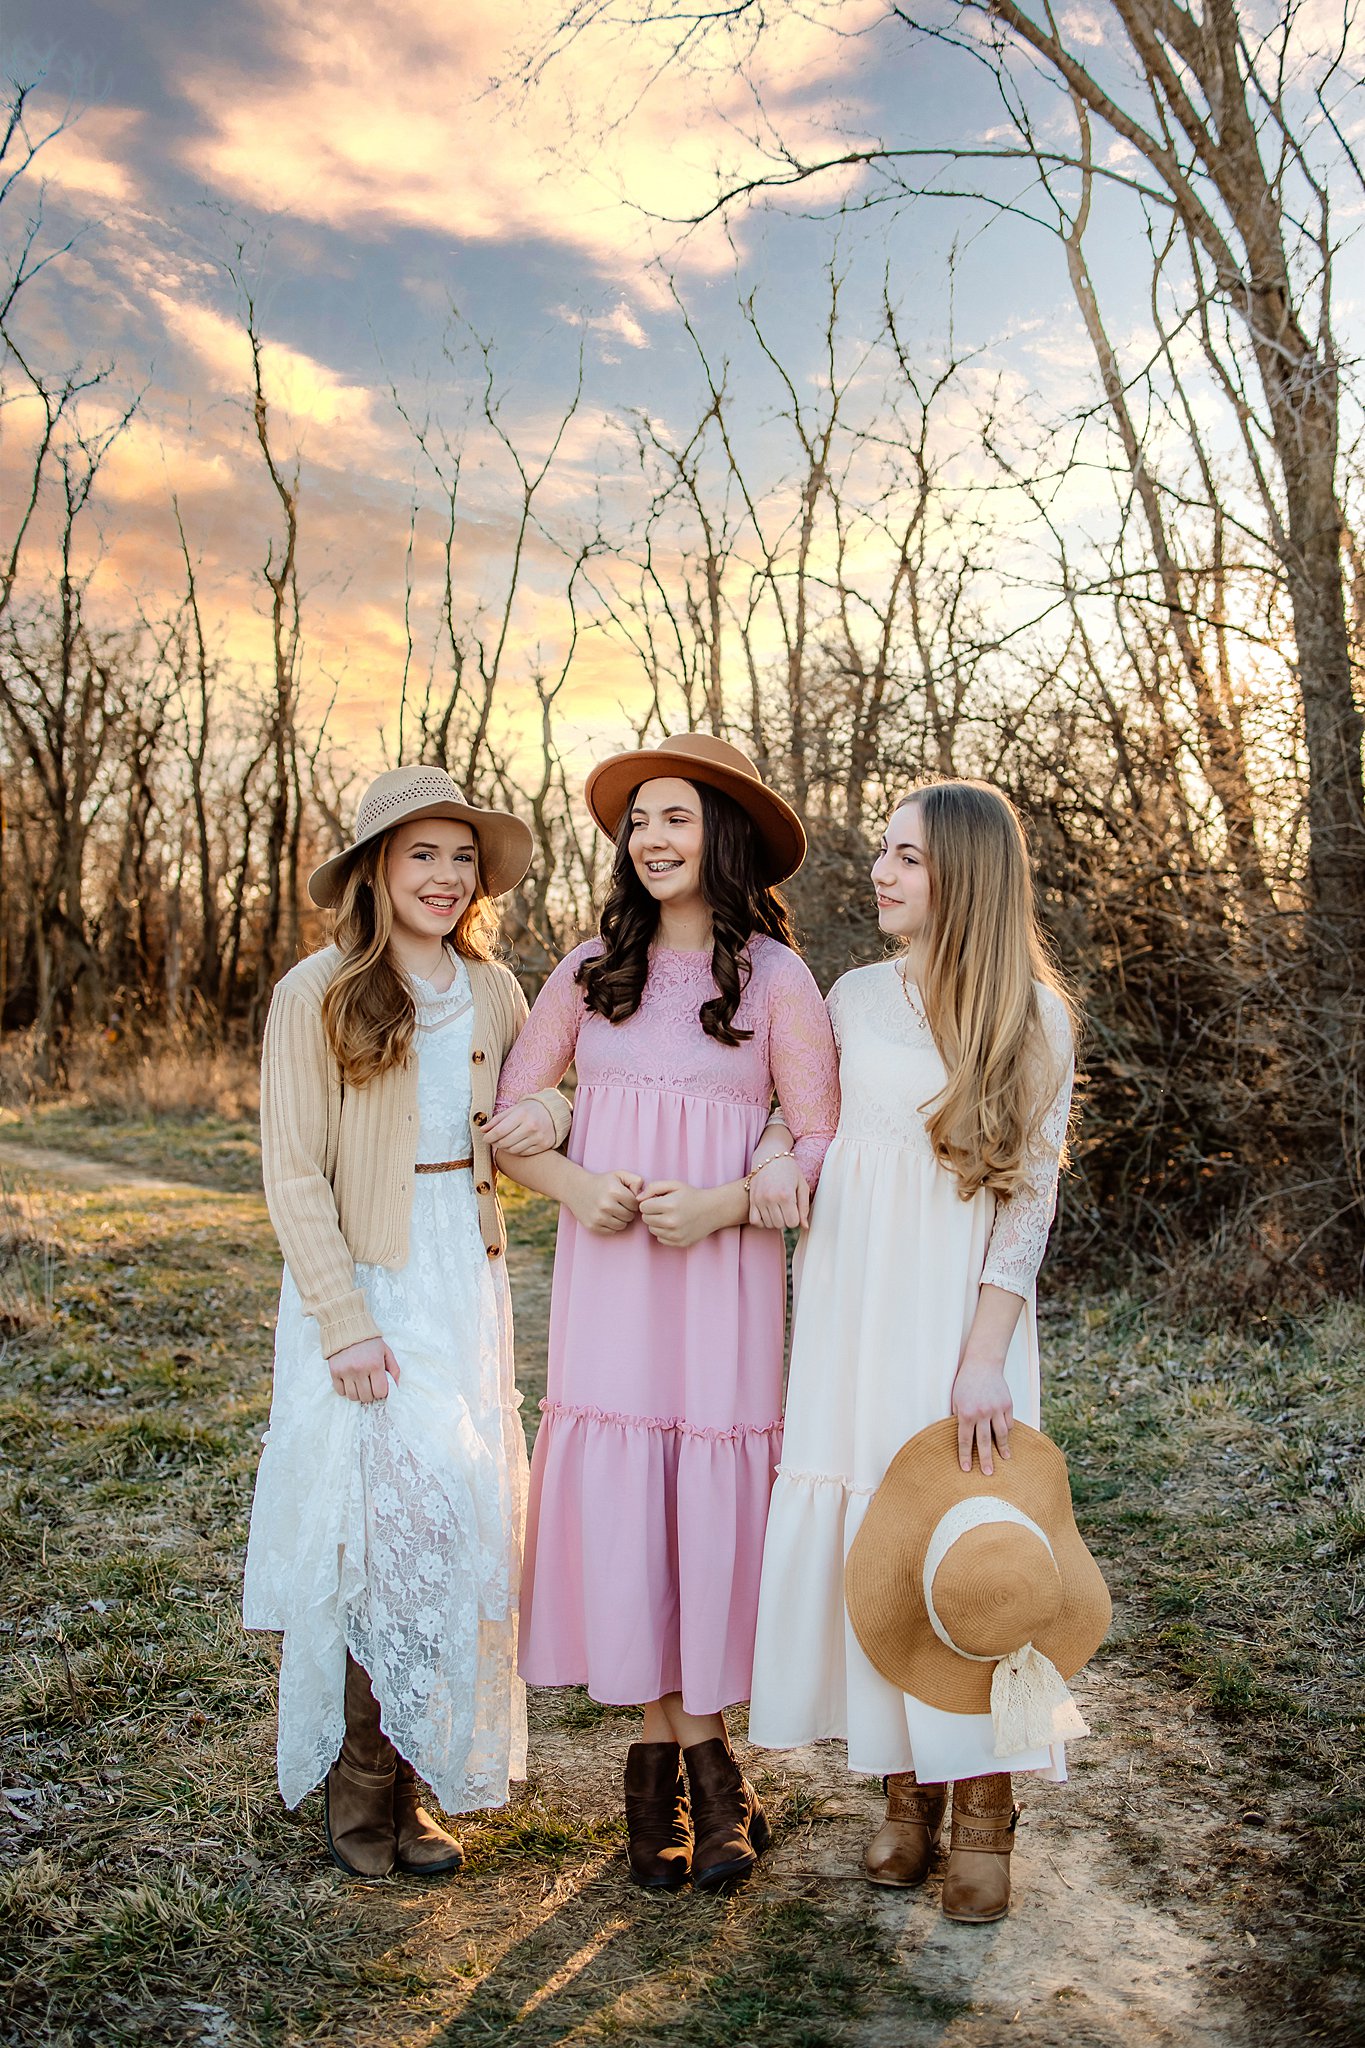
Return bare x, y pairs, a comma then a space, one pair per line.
903, 1847
358, 1792
422, 1847
730, 1826
976, 1884
659, 1826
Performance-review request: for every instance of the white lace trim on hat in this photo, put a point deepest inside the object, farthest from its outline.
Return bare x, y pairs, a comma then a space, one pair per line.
1030, 1704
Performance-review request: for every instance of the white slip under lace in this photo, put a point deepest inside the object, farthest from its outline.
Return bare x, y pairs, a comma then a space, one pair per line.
395, 1529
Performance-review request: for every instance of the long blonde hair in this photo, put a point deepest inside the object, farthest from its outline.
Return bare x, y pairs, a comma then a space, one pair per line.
984, 958
368, 1010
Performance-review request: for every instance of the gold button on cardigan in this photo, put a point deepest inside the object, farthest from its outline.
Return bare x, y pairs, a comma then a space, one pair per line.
338, 1162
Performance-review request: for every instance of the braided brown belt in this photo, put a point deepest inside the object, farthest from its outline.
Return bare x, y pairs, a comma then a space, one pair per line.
442, 1165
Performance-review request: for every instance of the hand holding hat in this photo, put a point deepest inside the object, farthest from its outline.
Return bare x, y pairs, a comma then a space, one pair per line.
977, 1594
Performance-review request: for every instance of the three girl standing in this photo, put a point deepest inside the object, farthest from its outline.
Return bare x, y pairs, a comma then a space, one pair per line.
655, 1461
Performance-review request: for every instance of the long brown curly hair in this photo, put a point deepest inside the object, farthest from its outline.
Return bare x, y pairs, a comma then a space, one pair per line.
368, 1010
739, 900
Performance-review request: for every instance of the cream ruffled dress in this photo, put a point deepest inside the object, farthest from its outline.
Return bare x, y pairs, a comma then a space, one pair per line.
886, 1288
396, 1528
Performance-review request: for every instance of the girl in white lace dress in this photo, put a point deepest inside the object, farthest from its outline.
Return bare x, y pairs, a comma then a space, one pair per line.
387, 1523
915, 1289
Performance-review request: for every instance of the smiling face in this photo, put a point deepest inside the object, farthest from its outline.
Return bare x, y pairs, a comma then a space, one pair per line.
900, 876
430, 869
665, 841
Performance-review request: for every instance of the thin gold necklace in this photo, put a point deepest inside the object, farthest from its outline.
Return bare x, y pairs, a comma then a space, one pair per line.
916, 1001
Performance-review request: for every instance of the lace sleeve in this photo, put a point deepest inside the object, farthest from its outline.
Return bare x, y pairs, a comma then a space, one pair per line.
1020, 1231
834, 1003
805, 1065
544, 1051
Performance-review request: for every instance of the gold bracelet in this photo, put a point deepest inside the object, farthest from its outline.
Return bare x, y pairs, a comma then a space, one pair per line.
754, 1172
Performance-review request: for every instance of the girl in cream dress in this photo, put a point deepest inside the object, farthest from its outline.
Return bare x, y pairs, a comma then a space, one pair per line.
915, 1287
386, 1528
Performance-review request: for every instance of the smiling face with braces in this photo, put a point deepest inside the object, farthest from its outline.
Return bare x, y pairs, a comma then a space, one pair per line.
666, 836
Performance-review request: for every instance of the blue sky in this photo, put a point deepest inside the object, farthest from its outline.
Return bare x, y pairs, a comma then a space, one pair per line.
376, 174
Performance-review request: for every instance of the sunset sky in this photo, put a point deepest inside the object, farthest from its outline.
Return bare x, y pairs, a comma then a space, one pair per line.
380, 166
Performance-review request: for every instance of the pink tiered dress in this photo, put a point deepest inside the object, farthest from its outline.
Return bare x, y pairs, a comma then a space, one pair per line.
662, 1429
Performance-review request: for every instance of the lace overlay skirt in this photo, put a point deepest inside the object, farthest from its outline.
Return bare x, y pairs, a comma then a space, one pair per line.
396, 1529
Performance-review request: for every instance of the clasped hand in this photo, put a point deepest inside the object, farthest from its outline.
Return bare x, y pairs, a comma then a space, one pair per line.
676, 1214
672, 1212
779, 1195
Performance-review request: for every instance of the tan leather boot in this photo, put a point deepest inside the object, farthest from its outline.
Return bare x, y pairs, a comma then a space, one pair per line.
358, 1791
730, 1826
976, 1884
658, 1823
422, 1847
903, 1847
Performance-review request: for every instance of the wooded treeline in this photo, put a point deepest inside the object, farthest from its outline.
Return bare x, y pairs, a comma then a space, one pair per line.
1167, 686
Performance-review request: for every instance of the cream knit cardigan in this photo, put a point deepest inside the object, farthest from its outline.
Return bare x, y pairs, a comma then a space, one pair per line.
338, 1162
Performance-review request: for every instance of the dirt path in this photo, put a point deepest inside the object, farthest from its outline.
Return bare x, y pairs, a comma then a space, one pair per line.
83, 1172
1133, 1922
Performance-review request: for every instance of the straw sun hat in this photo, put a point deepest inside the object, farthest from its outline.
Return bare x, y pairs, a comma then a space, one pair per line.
978, 1595
701, 757
402, 794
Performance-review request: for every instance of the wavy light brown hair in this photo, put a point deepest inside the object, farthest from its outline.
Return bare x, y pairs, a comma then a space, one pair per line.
368, 1011
984, 958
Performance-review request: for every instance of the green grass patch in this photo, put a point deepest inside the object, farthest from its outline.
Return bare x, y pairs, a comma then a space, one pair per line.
572, 1707
532, 1220
1215, 1474
151, 1442
543, 1829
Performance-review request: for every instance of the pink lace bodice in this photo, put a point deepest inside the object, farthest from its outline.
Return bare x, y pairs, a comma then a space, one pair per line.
663, 1045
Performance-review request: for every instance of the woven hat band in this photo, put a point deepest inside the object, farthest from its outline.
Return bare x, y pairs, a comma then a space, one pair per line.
402, 793
982, 1602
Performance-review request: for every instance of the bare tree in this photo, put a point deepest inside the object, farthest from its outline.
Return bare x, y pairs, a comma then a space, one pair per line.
61, 712
1220, 126
279, 928
197, 739
28, 253
455, 716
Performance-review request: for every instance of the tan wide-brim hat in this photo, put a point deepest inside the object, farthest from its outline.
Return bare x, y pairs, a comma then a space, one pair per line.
701, 757
989, 1564
401, 794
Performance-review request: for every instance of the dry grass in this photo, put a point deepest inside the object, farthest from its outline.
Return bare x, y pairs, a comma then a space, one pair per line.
153, 1887
185, 1114
167, 1103
28, 1261
1219, 1477
155, 1890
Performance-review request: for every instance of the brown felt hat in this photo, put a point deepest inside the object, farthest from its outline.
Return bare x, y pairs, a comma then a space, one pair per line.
402, 794
952, 1571
701, 757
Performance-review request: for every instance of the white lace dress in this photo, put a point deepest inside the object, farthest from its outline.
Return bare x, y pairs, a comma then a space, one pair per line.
886, 1288
396, 1528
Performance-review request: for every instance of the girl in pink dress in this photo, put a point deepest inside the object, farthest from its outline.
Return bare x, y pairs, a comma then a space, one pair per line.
661, 1433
